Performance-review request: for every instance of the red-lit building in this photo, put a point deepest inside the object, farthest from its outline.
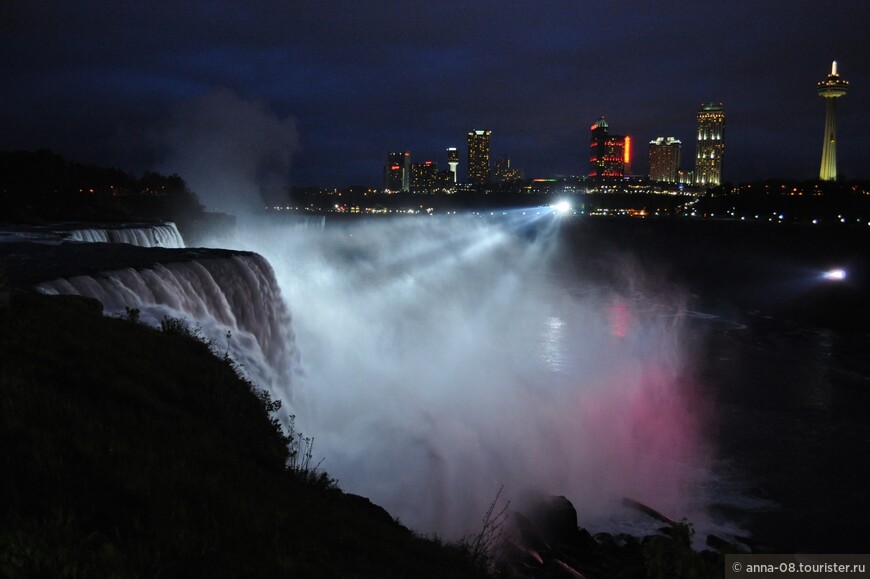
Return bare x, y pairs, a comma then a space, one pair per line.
397, 172
608, 154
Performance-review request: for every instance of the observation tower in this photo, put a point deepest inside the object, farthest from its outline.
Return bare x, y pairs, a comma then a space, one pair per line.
831, 89
453, 161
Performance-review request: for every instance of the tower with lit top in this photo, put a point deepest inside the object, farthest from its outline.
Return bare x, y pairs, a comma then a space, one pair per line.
831, 89
453, 161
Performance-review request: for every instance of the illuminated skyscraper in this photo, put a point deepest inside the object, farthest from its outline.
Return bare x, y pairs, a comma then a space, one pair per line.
708, 154
397, 172
831, 89
478, 157
424, 177
664, 159
607, 153
504, 172
453, 161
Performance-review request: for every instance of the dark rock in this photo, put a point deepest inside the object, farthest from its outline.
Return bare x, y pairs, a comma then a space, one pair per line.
638, 506
570, 571
557, 520
530, 536
374, 511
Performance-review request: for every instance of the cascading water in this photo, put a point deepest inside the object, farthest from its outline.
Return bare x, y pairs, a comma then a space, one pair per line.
238, 294
445, 357
142, 235
163, 235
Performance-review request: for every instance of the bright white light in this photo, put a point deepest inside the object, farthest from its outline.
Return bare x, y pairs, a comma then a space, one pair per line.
835, 274
561, 207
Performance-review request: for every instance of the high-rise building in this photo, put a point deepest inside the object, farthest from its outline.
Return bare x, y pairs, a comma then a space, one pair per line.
478, 157
607, 155
406, 180
504, 172
453, 162
397, 172
831, 89
664, 159
424, 177
708, 154
685, 177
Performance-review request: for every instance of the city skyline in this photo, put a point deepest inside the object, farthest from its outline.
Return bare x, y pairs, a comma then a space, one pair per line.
289, 94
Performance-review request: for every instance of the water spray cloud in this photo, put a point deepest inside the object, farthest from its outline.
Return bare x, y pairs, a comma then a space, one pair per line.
234, 154
444, 357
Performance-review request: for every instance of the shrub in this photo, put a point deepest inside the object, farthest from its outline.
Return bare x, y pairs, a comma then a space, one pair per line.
182, 328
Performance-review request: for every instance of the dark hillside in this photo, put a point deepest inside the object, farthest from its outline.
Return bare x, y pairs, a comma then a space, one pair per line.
129, 452
39, 187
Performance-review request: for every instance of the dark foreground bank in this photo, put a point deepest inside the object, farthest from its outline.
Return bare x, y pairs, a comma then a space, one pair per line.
133, 452
128, 452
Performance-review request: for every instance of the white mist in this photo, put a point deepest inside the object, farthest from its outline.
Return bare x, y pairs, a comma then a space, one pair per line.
443, 357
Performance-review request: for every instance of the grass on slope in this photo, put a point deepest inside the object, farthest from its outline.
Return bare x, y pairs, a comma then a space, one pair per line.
128, 452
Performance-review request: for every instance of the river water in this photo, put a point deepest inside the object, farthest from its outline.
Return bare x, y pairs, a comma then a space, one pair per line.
704, 368
783, 362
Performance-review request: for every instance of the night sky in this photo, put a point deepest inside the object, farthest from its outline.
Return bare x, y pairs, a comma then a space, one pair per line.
316, 93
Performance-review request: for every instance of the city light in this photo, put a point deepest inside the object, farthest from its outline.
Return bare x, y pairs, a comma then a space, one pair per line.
835, 274
561, 207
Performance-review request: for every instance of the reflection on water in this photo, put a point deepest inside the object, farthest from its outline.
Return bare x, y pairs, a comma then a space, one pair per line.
788, 433
552, 346
792, 433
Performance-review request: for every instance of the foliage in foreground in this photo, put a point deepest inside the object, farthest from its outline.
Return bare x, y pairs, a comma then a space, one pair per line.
129, 452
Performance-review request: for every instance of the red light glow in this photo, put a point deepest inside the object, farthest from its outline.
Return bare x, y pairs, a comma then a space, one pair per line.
621, 319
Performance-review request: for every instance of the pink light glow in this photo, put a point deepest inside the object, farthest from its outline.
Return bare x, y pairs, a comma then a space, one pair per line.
620, 318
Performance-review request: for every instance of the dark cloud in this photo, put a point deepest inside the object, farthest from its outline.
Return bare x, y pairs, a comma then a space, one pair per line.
362, 78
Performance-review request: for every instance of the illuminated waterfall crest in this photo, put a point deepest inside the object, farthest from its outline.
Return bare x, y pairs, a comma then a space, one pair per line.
238, 294
163, 235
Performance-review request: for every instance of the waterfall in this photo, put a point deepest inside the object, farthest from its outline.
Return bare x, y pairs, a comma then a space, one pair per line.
445, 357
237, 294
163, 235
